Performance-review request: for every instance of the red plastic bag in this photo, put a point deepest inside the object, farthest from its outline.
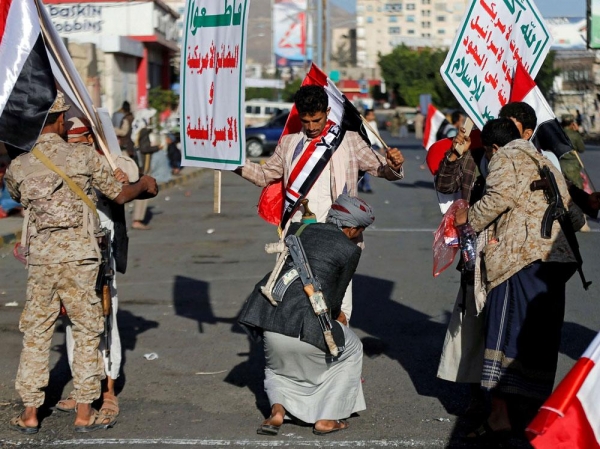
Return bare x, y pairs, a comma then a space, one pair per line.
270, 203
445, 242
587, 187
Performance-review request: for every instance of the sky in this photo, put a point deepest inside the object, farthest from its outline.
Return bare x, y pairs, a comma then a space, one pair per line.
548, 8
562, 8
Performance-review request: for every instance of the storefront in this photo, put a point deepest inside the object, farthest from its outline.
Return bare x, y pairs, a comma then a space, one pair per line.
134, 41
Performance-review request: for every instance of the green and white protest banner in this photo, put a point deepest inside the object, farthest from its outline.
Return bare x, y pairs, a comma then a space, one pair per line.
213, 57
492, 37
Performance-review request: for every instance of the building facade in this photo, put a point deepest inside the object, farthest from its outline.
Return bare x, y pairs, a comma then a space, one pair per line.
383, 25
130, 46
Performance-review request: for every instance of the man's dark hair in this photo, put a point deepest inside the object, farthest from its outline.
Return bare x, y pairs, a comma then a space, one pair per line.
499, 131
521, 112
52, 117
455, 117
368, 111
311, 99
126, 106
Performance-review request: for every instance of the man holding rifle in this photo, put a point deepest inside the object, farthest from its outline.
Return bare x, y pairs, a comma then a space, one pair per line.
528, 261
55, 182
314, 361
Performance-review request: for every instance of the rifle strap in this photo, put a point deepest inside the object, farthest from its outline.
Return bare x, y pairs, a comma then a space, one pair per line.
88, 204
301, 229
74, 187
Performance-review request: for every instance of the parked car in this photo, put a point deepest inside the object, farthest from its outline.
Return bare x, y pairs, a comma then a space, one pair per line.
262, 140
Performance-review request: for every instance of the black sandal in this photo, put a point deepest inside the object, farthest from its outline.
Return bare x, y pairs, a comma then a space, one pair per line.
268, 429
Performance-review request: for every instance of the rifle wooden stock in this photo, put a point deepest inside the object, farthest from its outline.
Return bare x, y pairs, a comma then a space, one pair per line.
106, 305
333, 349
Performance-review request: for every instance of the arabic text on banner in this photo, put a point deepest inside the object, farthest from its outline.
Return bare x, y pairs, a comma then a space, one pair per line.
212, 80
493, 36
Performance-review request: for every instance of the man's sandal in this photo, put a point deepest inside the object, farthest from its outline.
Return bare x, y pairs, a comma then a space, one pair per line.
110, 406
66, 405
340, 424
97, 421
17, 424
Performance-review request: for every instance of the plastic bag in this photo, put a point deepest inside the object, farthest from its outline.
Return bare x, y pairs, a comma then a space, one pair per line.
445, 242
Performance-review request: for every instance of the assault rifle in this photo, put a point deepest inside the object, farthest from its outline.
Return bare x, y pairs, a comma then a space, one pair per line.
312, 288
103, 285
556, 211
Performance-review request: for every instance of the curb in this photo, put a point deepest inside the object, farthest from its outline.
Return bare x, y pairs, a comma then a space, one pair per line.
16, 236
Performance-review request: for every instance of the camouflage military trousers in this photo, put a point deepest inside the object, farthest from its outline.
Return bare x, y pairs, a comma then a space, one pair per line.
71, 283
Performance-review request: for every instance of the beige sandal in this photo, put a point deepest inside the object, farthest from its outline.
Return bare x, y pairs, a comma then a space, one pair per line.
67, 405
110, 406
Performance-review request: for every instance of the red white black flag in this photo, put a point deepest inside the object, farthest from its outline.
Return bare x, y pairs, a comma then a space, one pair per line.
435, 123
27, 84
548, 134
277, 202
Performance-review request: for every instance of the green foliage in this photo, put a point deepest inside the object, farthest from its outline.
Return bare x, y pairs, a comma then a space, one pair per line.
268, 93
290, 89
545, 77
410, 73
162, 99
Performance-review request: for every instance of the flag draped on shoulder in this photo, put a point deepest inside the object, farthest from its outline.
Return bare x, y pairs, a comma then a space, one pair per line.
27, 84
548, 134
278, 202
435, 122
570, 418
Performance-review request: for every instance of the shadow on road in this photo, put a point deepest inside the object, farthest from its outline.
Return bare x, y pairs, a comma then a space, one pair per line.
130, 326
191, 300
405, 335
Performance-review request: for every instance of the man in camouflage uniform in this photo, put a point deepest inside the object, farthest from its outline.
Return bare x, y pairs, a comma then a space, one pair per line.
63, 261
526, 276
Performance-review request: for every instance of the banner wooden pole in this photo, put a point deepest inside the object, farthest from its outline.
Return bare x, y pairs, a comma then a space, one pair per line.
217, 192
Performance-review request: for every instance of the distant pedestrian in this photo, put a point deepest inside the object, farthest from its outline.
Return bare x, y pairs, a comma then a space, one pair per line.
123, 128
419, 121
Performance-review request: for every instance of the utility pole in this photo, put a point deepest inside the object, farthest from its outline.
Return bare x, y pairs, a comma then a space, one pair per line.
320, 29
327, 34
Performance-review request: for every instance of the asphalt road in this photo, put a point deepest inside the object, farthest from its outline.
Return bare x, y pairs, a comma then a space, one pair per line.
187, 279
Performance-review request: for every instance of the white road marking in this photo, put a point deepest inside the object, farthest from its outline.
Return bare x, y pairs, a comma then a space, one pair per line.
217, 443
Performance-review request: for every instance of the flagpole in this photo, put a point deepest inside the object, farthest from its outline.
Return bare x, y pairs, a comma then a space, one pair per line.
101, 140
375, 133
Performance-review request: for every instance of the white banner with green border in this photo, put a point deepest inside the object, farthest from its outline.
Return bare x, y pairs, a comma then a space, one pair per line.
213, 57
493, 35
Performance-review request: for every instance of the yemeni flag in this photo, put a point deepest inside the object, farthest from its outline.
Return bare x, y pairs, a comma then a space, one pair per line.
570, 418
277, 203
548, 134
28, 87
435, 122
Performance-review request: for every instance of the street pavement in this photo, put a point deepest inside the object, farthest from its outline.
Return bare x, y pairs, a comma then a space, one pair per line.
186, 282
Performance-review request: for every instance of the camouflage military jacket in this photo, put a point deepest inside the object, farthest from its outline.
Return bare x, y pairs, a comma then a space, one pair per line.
56, 212
517, 214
